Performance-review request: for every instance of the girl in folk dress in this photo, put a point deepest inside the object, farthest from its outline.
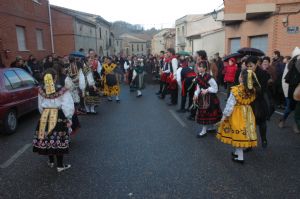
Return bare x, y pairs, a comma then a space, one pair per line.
238, 122
56, 107
209, 111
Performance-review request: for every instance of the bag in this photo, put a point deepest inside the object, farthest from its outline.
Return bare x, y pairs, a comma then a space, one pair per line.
111, 79
296, 94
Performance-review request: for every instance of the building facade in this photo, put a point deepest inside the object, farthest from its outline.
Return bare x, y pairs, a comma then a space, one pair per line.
134, 44
163, 40
73, 30
24, 29
264, 24
206, 33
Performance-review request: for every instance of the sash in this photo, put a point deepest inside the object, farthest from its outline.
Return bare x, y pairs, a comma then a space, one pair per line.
49, 116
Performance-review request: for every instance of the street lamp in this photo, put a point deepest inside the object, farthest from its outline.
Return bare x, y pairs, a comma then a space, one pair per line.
214, 15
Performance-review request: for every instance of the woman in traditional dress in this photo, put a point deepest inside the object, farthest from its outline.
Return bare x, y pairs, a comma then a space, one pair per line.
238, 127
209, 111
88, 87
111, 85
52, 133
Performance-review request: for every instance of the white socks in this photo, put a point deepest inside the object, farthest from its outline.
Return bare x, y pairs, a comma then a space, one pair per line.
139, 93
93, 108
240, 153
117, 98
87, 108
203, 132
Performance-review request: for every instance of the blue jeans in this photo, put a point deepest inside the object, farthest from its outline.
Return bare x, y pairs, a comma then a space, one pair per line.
290, 106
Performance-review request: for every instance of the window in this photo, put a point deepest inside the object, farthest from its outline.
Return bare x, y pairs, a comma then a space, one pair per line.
100, 33
178, 30
235, 44
259, 42
21, 38
183, 30
137, 47
7, 83
13, 79
132, 47
25, 77
117, 43
142, 47
39, 39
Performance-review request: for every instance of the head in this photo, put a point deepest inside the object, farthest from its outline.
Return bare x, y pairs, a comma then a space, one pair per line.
92, 53
19, 61
276, 54
170, 52
216, 56
251, 63
201, 55
232, 61
202, 66
266, 63
286, 59
249, 80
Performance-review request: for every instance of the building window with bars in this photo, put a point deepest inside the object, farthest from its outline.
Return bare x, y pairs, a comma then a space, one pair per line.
39, 39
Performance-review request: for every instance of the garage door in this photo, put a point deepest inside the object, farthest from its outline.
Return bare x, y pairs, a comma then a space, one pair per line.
235, 44
259, 42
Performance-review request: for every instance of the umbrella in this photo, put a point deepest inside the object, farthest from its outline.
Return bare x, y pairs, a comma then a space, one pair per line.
184, 53
251, 51
77, 54
233, 55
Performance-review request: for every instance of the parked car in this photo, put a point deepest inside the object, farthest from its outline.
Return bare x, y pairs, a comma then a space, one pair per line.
18, 96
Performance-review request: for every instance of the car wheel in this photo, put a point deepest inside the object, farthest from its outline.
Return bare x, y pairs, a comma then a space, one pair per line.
10, 122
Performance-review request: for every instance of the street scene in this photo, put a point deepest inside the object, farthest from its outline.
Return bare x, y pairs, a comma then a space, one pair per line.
203, 105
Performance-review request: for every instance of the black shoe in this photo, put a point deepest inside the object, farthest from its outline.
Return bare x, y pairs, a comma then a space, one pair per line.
171, 104
201, 136
264, 144
161, 97
158, 93
234, 155
93, 113
118, 101
234, 159
181, 111
139, 95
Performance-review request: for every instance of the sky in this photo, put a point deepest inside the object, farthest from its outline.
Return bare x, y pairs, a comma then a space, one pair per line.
150, 13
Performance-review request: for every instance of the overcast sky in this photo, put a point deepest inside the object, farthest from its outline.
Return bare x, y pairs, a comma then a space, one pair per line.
150, 13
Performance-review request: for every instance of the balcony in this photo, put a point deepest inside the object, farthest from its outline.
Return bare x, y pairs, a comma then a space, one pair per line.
234, 18
259, 10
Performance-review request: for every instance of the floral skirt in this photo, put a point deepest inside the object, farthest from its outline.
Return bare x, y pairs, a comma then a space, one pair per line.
56, 141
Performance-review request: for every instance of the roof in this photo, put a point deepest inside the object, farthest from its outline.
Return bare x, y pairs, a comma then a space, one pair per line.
131, 38
87, 17
203, 33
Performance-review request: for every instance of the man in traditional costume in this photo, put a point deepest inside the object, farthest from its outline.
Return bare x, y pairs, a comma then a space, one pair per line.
52, 133
88, 87
172, 86
138, 76
111, 85
238, 127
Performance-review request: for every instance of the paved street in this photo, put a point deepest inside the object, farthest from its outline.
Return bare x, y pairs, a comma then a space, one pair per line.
142, 148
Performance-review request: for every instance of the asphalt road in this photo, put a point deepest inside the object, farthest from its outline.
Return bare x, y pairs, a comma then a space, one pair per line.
142, 148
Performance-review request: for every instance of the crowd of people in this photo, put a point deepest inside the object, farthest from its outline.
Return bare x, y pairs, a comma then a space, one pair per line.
256, 86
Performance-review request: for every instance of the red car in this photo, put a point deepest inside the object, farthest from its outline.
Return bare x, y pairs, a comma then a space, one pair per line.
18, 96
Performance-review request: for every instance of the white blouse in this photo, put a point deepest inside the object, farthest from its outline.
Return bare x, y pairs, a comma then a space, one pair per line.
231, 101
64, 102
82, 81
213, 88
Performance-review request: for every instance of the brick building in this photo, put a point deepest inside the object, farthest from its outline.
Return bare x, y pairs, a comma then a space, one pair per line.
265, 24
24, 29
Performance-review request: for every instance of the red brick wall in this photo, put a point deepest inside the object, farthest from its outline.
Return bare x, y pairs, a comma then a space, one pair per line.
63, 31
30, 15
278, 38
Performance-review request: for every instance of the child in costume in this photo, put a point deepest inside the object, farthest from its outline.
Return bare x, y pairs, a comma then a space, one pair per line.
138, 77
52, 133
238, 126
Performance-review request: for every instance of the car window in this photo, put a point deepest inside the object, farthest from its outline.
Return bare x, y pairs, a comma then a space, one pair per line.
7, 83
13, 79
26, 78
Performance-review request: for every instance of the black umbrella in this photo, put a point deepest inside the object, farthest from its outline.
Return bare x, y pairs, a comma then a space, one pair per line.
233, 55
251, 51
77, 54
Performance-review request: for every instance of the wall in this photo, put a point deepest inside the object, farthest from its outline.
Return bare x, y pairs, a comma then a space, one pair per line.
30, 15
85, 35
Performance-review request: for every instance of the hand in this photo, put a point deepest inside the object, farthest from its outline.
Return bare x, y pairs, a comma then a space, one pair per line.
204, 91
69, 124
223, 118
195, 98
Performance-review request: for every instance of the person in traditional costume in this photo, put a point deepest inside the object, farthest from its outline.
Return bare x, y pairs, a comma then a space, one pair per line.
185, 76
172, 63
238, 127
88, 87
262, 105
56, 106
209, 111
138, 77
111, 85
160, 68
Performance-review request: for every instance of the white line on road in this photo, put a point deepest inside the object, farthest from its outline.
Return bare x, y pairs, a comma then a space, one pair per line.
177, 118
15, 156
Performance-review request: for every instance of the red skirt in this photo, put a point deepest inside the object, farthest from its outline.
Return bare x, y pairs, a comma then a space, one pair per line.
209, 111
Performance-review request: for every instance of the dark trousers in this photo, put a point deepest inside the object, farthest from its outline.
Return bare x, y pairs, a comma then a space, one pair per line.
184, 96
164, 91
263, 130
59, 159
174, 95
